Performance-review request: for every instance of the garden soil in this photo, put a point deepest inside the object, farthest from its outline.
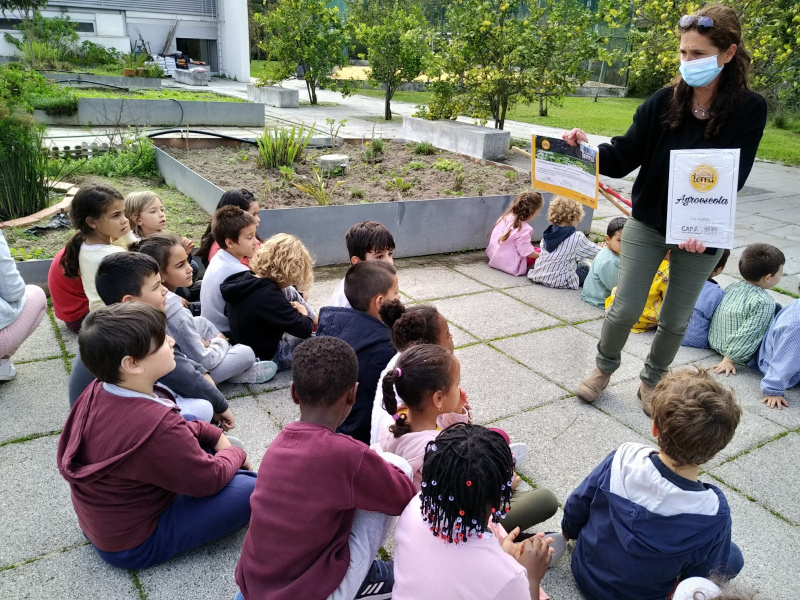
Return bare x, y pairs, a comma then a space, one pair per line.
364, 181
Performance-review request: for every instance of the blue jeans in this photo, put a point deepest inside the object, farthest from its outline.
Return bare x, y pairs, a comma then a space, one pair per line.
190, 522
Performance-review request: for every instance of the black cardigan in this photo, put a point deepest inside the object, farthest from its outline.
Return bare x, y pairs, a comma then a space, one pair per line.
648, 142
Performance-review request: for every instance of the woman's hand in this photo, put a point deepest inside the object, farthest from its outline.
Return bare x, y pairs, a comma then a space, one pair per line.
575, 136
692, 245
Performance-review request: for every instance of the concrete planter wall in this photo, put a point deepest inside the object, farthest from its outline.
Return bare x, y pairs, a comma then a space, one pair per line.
169, 113
271, 95
86, 80
34, 272
472, 140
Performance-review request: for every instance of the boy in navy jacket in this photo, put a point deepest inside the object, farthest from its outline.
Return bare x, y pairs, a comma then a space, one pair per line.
642, 519
368, 286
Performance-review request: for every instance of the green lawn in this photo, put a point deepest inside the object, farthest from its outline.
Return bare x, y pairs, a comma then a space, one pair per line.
612, 116
154, 94
259, 68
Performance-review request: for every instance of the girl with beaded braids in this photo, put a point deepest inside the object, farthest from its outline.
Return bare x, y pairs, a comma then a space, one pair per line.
425, 378
454, 526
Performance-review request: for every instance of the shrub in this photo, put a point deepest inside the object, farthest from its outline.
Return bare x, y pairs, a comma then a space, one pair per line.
91, 54
424, 148
280, 146
447, 165
55, 105
136, 157
23, 168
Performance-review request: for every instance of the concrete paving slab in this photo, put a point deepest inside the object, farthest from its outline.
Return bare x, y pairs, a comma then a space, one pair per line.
436, 282
491, 277
563, 304
563, 355
566, 441
760, 223
70, 338
37, 515
754, 474
321, 292
254, 427
29, 410
492, 314
490, 402
232, 390
773, 578
619, 401
77, 573
461, 337
639, 344
41, 344
280, 407
743, 236
206, 572
281, 381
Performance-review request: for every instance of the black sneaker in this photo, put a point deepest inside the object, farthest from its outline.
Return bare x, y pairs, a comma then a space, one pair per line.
379, 581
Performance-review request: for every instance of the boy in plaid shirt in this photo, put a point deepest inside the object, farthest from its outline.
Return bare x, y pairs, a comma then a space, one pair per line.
746, 310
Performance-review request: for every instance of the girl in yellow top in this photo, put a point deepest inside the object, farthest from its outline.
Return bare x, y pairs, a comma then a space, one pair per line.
652, 309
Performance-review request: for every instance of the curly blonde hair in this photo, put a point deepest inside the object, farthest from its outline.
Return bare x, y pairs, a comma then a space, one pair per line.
284, 259
564, 211
135, 204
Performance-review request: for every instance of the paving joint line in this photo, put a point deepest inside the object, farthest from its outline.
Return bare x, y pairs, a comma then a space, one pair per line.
138, 584
34, 559
752, 499
30, 437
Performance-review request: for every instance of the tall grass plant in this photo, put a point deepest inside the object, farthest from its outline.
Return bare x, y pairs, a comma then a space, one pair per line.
283, 147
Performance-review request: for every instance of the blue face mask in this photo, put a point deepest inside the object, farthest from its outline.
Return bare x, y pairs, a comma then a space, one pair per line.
700, 72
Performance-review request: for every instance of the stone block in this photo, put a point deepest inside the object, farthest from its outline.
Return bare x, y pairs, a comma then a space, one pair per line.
492, 315
472, 140
482, 272
205, 572
41, 344
755, 475
427, 283
37, 515
192, 76
563, 355
565, 305
78, 573
276, 96
566, 440
331, 162
488, 401
30, 409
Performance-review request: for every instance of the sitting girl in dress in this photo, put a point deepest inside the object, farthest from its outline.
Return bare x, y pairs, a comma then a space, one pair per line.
510, 248
450, 541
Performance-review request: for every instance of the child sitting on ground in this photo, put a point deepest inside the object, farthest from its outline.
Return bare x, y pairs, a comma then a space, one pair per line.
655, 298
132, 276
746, 310
245, 200
603, 273
235, 232
510, 248
367, 285
710, 296
196, 337
564, 249
324, 502
365, 241
426, 378
465, 493
260, 311
97, 213
779, 356
642, 519
146, 485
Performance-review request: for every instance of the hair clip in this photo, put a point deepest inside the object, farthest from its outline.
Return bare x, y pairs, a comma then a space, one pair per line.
399, 372
469, 483
395, 416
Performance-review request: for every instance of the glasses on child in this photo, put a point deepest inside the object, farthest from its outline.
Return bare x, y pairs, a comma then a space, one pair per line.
702, 24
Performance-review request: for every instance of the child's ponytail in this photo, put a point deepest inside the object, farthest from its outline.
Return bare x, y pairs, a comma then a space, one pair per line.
420, 372
89, 201
391, 311
525, 205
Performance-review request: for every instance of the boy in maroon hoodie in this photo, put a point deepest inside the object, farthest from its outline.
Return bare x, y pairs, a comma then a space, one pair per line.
322, 505
143, 486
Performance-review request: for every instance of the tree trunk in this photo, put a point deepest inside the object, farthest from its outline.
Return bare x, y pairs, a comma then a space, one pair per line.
387, 104
542, 106
311, 86
503, 109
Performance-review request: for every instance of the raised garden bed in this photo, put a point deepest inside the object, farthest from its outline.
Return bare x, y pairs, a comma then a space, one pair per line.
89, 80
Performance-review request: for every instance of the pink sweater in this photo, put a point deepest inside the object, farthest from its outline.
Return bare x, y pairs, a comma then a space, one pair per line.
509, 255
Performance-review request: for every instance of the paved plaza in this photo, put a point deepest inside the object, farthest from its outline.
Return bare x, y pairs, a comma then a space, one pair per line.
523, 349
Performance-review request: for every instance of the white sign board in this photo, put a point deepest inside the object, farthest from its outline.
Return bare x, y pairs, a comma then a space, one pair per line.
702, 196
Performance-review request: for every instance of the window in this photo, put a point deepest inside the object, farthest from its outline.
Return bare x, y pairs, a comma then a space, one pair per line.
11, 25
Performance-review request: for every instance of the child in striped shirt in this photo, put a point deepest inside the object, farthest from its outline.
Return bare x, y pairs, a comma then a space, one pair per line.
779, 356
564, 249
746, 310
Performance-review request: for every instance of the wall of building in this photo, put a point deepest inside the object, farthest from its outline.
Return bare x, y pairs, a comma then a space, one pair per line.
234, 39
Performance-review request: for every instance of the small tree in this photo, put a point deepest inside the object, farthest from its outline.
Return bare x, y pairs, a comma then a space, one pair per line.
306, 34
396, 48
24, 10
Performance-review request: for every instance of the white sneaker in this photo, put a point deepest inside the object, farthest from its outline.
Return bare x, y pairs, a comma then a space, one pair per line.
519, 450
260, 372
7, 370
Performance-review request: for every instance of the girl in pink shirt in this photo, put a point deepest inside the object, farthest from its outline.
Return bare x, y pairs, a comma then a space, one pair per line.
510, 248
450, 543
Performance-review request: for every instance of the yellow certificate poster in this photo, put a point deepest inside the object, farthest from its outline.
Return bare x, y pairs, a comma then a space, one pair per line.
569, 171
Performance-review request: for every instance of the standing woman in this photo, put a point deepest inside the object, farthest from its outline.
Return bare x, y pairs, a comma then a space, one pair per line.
710, 106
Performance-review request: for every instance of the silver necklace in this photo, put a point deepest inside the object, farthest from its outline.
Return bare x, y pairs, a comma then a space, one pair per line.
699, 111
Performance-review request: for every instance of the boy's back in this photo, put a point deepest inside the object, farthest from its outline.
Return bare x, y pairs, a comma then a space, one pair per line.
640, 527
740, 321
309, 484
